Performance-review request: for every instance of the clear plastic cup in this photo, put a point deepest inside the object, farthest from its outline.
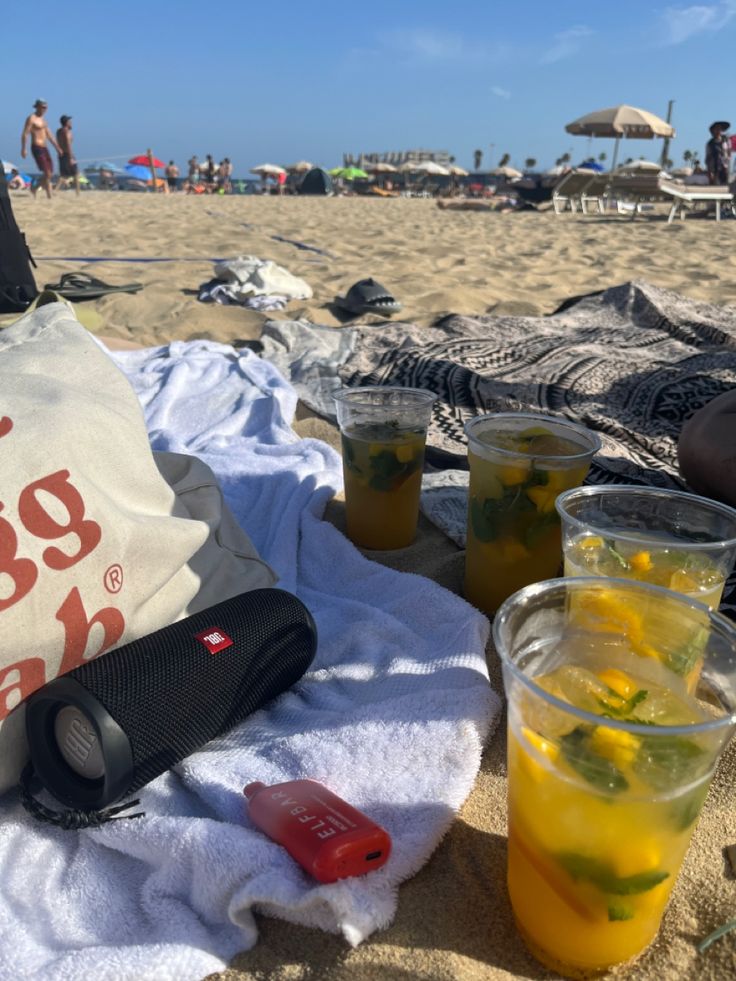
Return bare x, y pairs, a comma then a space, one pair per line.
621, 697
665, 537
519, 463
384, 431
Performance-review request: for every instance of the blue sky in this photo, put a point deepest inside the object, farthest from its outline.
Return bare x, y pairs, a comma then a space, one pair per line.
290, 80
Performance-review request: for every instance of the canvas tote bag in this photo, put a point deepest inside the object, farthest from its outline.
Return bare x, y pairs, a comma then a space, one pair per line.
101, 540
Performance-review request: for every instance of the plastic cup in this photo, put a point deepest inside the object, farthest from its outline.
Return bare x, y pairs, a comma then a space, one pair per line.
668, 538
384, 431
610, 758
519, 463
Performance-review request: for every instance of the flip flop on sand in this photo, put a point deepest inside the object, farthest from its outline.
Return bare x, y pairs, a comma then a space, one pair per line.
368, 296
81, 286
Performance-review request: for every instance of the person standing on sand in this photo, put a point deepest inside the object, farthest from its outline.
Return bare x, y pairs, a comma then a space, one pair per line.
172, 176
718, 154
38, 129
67, 164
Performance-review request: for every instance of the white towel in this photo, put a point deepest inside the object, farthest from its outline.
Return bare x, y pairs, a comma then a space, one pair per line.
250, 275
391, 716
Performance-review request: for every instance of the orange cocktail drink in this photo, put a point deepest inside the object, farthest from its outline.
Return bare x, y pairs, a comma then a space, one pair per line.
668, 538
612, 747
383, 433
519, 463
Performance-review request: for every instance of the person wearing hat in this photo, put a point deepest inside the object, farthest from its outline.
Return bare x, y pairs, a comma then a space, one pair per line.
67, 164
38, 129
718, 154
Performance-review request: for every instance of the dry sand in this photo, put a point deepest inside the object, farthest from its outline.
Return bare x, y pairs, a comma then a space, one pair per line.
434, 261
453, 919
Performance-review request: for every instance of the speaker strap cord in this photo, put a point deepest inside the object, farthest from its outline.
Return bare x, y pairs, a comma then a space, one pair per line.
70, 820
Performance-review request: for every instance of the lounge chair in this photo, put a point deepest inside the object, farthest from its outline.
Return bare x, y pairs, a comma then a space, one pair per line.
684, 196
633, 188
579, 187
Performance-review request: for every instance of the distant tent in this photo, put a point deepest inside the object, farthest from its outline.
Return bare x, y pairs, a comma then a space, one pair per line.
315, 181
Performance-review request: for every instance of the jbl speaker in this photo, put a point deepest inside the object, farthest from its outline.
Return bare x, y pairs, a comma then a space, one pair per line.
102, 731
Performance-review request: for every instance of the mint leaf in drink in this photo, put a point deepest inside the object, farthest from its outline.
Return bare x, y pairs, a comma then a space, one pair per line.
611, 549
665, 762
682, 661
620, 911
586, 869
686, 809
387, 471
622, 711
595, 769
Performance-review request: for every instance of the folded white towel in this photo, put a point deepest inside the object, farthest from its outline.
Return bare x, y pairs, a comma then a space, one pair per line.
391, 716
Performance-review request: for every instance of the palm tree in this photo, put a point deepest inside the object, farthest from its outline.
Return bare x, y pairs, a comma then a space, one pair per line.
477, 159
688, 155
602, 156
565, 158
530, 163
504, 160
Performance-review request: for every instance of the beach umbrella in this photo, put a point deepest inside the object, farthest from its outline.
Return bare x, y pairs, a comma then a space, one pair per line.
142, 160
510, 172
9, 167
457, 171
302, 166
682, 172
267, 170
138, 172
618, 122
430, 167
591, 165
348, 173
381, 168
104, 165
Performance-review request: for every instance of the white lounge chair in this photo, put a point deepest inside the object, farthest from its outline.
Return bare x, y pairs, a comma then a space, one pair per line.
686, 196
579, 187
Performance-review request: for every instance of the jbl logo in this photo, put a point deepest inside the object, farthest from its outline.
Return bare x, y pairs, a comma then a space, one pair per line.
214, 639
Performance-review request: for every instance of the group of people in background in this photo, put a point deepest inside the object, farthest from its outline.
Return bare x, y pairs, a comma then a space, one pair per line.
206, 177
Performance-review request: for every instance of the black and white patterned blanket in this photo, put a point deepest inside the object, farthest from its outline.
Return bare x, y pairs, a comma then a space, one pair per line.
632, 363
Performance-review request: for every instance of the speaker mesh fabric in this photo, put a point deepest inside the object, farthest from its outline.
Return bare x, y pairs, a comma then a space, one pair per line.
170, 695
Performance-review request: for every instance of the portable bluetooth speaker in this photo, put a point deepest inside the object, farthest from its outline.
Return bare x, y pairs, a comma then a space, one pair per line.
107, 728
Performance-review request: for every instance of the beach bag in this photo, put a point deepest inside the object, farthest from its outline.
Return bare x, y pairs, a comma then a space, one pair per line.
101, 540
17, 285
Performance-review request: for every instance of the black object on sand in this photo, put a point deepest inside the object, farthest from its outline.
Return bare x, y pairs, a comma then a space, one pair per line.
17, 285
368, 296
77, 286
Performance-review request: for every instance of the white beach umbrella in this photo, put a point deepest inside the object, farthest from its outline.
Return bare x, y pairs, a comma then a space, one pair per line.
381, 168
270, 170
300, 166
682, 172
510, 172
9, 167
430, 167
457, 171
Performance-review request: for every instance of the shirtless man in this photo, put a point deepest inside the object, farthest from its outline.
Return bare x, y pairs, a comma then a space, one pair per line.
67, 164
38, 129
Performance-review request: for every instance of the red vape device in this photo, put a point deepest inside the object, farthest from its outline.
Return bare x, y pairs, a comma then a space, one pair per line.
322, 832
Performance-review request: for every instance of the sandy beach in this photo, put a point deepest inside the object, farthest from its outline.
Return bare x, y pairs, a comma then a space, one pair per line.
453, 918
434, 261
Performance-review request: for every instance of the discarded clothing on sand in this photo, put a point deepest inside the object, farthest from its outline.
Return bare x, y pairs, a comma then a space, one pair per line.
632, 363
215, 291
252, 276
